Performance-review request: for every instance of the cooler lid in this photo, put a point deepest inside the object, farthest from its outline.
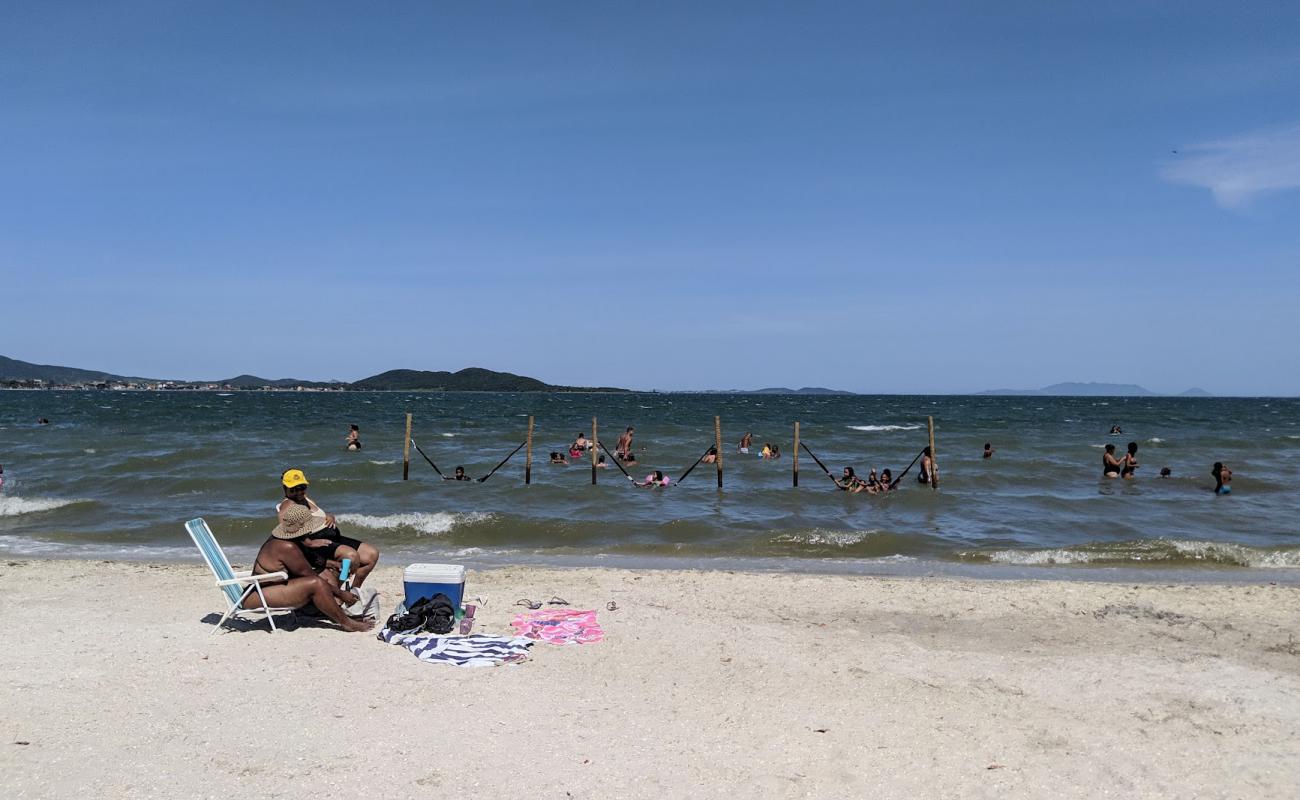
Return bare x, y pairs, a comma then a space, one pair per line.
436, 573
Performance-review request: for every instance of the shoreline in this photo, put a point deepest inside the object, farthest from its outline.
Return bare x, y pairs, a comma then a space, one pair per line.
762, 684
904, 567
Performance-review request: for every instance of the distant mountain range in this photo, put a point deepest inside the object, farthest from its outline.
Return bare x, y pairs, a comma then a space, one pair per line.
804, 390
1093, 390
472, 379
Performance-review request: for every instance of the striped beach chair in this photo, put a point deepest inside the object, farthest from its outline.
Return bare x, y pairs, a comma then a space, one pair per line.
234, 586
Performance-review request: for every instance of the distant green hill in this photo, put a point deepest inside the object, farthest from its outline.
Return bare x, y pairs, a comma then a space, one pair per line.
254, 382
470, 379
13, 369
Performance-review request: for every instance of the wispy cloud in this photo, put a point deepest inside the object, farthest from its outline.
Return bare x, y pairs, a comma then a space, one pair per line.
1238, 169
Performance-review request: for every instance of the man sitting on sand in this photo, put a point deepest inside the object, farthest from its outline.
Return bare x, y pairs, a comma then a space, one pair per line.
283, 552
325, 548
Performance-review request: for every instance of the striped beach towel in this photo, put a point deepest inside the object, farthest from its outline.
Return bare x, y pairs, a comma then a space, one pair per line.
462, 651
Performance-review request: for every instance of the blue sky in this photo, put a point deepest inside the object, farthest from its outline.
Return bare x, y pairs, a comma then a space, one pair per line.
889, 198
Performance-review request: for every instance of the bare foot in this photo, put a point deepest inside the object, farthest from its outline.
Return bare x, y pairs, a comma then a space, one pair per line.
359, 623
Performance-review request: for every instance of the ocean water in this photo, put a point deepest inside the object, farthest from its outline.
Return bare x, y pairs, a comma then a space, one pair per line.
116, 474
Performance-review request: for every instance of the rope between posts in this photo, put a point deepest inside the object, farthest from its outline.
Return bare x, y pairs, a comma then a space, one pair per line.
696, 464
820, 464
602, 446
895, 481
503, 461
430, 460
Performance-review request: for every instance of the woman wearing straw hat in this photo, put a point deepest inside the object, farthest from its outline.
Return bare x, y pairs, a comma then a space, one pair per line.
281, 553
324, 547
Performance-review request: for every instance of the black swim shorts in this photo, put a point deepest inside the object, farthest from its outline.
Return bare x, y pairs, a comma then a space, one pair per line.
317, 556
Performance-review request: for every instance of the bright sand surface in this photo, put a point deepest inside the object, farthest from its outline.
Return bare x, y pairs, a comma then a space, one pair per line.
707, 683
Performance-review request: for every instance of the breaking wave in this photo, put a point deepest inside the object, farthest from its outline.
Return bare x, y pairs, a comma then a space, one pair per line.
13, 506
886, 427
1156, 552
422, 522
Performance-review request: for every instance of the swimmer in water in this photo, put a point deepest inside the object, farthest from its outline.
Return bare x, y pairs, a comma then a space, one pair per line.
556, 458
1110, 466
353, 438
600, 462
2, 476
656, 478
711, 456
1222, 478
1115, 430
460, 475
848, 480
745, 442
1166, 472
988, 450
42, 421
886, 483
1129, 464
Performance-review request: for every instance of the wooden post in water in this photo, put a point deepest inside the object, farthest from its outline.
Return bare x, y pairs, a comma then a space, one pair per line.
934, 462
406, 450
528, 458
594, 448
796, 453
717, 443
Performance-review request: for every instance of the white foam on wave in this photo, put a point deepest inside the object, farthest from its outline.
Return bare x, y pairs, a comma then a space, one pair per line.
1289, 436
89, 451
885, 427
1039, 557
382, 463
1155, 440
431, 523
13, 506
449, 435
819, 536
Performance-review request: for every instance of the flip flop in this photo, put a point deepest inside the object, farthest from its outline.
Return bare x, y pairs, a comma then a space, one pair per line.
611, 606
526, 603
556, 600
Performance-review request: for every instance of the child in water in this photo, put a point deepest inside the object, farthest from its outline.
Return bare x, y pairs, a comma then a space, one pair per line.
353, 438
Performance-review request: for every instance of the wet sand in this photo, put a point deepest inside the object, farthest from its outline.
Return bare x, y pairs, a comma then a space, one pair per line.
758, 685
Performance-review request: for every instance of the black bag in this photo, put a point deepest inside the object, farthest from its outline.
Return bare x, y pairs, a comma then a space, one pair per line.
428, 614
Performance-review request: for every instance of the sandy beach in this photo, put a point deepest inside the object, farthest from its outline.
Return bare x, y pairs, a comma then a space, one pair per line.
756, 685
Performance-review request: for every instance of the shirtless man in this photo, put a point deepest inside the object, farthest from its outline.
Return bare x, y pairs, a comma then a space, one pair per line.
745, 442
326, 548
623, 449
282, 552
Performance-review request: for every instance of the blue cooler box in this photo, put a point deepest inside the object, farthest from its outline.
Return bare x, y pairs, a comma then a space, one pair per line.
426, 580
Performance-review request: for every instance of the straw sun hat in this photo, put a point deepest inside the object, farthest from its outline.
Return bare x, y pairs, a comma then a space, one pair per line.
297, 521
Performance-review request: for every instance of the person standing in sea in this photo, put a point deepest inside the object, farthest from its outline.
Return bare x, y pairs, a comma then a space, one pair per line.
623, 449
1222, 478
927, 467
745, 442
353, 438
1110, 466
1129, 463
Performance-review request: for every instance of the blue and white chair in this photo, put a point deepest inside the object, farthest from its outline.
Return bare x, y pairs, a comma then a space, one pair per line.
234, 586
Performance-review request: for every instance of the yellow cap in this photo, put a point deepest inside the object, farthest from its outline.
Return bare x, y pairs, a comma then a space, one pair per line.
292, 478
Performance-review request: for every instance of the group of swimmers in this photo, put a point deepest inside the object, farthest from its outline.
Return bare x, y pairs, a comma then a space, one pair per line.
769, 451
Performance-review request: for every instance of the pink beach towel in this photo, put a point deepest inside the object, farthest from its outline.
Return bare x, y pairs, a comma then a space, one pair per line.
559, 626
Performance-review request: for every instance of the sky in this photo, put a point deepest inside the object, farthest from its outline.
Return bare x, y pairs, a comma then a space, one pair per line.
888, 197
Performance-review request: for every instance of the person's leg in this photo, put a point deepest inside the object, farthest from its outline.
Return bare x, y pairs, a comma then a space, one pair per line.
367, 558
300, 591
